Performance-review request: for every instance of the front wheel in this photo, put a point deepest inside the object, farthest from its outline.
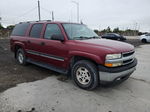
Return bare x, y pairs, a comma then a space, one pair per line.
85, 74
144, 40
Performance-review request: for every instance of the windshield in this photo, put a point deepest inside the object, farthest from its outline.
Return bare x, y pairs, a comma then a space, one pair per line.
117, 34
112, 34
79, 31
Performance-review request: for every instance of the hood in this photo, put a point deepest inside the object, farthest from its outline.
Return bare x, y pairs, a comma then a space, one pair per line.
111, 45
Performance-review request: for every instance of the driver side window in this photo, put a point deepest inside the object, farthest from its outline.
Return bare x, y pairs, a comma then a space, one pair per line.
52, 29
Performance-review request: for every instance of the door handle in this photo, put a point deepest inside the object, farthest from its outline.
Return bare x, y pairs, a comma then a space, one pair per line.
42, 43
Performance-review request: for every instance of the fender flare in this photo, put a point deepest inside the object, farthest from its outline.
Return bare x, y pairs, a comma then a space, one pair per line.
93, 57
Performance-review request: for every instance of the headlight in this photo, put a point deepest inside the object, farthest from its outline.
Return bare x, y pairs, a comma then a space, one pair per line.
113, 56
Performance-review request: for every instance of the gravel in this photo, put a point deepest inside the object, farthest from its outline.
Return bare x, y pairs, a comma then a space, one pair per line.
12, 73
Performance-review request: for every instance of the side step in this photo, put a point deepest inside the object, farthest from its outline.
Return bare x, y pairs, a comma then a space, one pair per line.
48, 66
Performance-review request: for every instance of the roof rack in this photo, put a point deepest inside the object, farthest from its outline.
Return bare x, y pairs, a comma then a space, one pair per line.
36, 21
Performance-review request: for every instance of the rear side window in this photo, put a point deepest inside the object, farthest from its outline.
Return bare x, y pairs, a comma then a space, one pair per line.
52, 29
36, 30
148, 34
110, 35
20, 29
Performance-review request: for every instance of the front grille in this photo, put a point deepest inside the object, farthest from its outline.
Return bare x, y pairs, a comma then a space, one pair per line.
128, 53
128, 61
128, 57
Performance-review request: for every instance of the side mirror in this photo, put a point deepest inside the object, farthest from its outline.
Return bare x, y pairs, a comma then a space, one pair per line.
58, 37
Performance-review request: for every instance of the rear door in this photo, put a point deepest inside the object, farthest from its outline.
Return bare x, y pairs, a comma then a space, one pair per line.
34, 42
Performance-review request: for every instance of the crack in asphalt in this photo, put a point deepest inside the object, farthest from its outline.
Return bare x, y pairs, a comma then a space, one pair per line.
142, 80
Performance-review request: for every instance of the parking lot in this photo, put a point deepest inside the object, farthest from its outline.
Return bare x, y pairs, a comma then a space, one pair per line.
35, 89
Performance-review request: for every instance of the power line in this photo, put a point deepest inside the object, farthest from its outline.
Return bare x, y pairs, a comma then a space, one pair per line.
27, 12
15, 18
50, 12
46, 10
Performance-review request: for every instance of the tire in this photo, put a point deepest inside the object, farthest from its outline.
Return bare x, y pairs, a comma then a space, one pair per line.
122, 39
144, 40
21, 58
85, 75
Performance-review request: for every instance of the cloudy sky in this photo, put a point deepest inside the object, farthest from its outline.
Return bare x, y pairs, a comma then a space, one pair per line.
97, 14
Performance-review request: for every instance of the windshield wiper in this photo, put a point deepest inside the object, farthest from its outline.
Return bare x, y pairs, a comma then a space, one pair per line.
94, 37
80, 38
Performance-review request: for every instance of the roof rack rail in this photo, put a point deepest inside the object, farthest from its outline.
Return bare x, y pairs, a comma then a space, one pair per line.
36, 21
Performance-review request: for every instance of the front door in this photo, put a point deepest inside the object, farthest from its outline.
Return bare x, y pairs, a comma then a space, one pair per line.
148, 37
53, 52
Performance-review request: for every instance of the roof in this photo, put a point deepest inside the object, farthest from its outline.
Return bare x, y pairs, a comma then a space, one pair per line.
47, 21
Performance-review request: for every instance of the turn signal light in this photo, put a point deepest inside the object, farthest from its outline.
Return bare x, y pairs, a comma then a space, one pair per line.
113, 64
108, 64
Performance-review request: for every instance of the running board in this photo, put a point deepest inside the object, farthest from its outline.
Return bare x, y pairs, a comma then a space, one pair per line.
48, 66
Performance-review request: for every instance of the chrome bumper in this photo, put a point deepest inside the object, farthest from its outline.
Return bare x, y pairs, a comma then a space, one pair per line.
109, 77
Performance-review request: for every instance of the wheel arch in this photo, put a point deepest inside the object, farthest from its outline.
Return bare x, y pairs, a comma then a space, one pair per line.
144, 40
74, 57
16, 47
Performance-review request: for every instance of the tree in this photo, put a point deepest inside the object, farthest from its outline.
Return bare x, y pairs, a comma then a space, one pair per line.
1, 27
108, 30
10, 27
96, 31
116, 30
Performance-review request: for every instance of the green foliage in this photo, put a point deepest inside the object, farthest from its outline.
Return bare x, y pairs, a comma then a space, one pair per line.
116, 30
1, 27
5, 32
10, 27
96, 31
127, 32
108, 30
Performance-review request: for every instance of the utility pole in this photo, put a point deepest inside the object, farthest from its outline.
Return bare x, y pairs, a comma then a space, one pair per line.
52, 16
77, 3
39, 13
135, 30
0, 20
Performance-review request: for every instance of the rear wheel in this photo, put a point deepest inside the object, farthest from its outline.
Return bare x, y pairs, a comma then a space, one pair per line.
85, 74
21, 58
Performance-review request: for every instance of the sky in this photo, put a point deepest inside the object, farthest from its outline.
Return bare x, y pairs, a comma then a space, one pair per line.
96, 14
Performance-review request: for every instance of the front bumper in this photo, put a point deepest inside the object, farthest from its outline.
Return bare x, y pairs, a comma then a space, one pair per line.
117, 73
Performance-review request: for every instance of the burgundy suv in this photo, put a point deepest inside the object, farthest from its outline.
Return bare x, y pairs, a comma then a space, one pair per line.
73, 49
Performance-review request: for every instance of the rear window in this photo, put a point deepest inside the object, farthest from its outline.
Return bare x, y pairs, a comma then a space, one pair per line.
20, 29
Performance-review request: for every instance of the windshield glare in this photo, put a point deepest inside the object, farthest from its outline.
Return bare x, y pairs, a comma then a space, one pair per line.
78, 31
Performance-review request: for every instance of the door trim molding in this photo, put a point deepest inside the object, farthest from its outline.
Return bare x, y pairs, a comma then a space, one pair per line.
58, 58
